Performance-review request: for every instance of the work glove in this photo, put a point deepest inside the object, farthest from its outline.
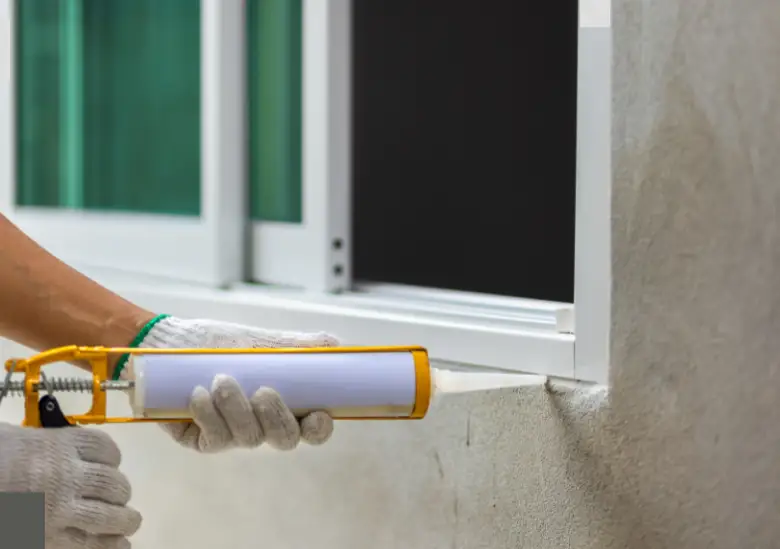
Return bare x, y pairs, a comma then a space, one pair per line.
223, 416
77, 469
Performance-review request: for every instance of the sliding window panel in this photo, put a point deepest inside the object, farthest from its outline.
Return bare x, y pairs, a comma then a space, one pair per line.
299, 138
122, 136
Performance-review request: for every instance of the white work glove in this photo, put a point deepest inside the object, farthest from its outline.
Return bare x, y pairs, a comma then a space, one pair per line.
77, 469
223, 416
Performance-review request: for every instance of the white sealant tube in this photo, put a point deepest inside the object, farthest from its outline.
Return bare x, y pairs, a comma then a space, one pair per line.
356, 384
379, 383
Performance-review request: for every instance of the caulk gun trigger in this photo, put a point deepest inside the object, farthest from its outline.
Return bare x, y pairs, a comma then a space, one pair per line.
51, 414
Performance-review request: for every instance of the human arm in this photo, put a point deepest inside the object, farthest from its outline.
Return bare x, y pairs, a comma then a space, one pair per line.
46, 303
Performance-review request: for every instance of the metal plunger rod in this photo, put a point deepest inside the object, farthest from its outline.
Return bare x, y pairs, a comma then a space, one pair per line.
68, 385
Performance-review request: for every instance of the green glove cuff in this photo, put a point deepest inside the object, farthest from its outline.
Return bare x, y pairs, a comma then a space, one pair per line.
122, 362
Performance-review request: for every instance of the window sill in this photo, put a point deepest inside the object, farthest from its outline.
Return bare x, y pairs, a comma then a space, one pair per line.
528, 336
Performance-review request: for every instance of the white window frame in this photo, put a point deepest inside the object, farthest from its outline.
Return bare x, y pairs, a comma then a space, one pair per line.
593, 239
207, 249
556, 339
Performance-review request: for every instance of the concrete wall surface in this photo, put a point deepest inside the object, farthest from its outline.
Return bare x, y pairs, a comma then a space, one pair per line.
693, 430
684, 451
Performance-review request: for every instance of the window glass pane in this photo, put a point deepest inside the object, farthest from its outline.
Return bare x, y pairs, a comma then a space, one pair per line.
274, 75
465, 145
108, 104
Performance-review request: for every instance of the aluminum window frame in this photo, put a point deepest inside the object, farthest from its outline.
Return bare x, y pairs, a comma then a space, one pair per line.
314, 289
323, 239
208, 248
593, 238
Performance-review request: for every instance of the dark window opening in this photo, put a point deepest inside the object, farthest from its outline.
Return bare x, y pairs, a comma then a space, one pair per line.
464, 140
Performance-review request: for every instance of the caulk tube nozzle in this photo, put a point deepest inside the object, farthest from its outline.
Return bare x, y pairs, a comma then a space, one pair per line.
451, 381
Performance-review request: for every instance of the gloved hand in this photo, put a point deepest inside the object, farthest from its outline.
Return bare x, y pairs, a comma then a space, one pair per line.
224, 417
86, 495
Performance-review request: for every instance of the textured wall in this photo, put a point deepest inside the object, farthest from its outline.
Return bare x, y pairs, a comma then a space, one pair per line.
693, 442
683, 454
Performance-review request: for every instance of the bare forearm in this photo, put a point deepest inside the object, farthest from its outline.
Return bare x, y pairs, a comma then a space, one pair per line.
45, 303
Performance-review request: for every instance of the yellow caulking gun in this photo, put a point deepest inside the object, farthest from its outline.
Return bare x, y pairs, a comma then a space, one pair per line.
351, 383
347, 382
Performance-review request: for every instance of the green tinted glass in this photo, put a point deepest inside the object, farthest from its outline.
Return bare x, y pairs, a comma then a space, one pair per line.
108, 105
274, 75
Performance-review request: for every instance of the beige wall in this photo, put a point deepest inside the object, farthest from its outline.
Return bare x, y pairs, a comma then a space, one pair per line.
685, 453
691, 445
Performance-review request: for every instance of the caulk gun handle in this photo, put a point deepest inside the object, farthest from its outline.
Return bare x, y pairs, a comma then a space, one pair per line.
51, 414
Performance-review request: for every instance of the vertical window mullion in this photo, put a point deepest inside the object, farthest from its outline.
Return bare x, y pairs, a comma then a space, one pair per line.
311, 250
223, 184
327, 106
7, 105
592, 260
